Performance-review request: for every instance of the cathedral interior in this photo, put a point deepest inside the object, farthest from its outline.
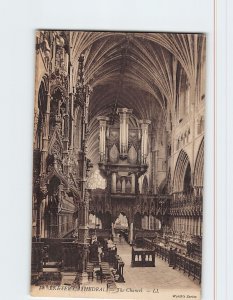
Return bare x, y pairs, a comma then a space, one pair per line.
118, 158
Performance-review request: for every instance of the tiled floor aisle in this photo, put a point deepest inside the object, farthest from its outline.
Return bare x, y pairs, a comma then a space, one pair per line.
161, 276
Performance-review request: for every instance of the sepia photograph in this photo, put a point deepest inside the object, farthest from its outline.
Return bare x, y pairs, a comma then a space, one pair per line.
118, 164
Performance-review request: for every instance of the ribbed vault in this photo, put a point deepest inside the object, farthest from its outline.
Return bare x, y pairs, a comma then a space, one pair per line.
134, 70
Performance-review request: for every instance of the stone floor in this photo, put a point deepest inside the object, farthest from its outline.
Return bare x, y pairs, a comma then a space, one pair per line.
160, 282
161, 276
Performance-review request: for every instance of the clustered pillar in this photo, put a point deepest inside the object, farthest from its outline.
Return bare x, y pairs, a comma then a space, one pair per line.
188, 224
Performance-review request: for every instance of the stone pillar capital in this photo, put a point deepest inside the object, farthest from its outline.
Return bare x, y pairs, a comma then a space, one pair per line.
103, 120
144, 122
124, 111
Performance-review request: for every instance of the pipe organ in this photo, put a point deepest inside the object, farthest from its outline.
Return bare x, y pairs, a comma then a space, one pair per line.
144, 139
102, 137
124, 114
123, 150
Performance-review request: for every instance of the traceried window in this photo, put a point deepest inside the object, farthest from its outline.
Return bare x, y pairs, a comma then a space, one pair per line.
96, 181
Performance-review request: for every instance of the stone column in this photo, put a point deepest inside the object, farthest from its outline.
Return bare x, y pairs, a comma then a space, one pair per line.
66, 62
194, 226
66, 127
45, 138
190, 225
88, 91
200, 225
72, 121
144, 139
85, 165
181, 105
196, 230
193, 222
38, 219
83, 221
66, 137
83, 234
131, 234
192, 103
102, 137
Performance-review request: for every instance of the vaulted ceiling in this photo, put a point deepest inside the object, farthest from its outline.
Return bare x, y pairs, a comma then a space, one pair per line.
134, 70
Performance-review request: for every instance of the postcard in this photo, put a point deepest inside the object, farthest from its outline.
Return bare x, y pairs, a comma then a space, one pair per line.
118, 160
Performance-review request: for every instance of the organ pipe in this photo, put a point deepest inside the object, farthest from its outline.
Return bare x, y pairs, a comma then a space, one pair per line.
102, 136
144, 139
124, 114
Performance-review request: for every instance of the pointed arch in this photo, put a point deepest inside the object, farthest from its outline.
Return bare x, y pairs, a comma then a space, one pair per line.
121, 221
182, 172
94, 221
58, 88
199, 166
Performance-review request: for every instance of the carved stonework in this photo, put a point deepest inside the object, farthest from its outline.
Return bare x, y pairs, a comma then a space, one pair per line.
132, 155
114, 154
59, 79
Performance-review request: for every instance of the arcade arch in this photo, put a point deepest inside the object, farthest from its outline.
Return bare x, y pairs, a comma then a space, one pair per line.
199, 166
182, 180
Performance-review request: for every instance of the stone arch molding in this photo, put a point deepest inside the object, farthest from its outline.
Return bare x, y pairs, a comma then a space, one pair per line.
180, 169
199, 166
125, 211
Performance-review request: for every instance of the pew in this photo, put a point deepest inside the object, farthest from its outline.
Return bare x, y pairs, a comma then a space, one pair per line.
108, 276
181, 262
